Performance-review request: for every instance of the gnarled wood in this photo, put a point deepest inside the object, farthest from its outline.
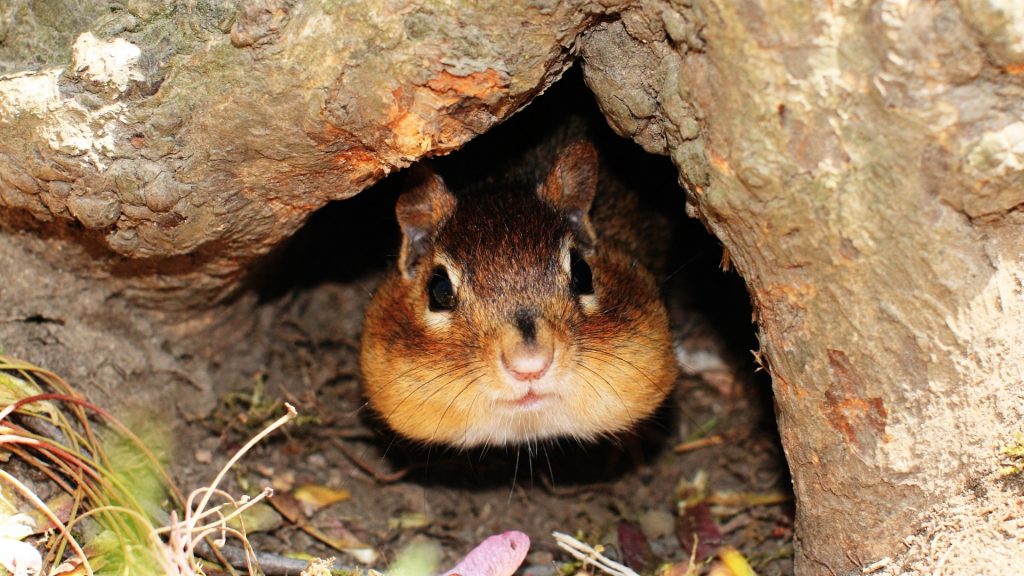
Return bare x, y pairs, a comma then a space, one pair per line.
189, 142
862, 164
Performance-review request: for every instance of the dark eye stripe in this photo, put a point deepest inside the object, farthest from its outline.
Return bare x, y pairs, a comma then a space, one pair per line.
581, 278
440, 291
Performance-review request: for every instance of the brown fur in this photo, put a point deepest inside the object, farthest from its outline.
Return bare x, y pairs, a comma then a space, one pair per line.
438, 377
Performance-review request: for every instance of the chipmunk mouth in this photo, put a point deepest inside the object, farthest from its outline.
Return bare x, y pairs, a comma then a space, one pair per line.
530, 401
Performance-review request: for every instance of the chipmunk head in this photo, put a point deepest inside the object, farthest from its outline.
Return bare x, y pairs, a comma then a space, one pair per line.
509, 319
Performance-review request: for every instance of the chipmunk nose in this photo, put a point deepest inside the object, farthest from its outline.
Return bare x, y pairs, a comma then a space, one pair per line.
527, 362
527, 350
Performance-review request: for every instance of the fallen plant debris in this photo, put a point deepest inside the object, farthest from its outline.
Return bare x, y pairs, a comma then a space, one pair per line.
636, 550
697, 531
51, 431
591, 556
120, 495
116, 482
17, 557
334, 494
498, 555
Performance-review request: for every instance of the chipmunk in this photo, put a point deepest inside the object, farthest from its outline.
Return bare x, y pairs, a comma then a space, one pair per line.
519, 312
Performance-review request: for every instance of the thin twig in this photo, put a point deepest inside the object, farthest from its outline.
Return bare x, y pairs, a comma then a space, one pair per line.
698, 444
379, 476
589, 555
270, 564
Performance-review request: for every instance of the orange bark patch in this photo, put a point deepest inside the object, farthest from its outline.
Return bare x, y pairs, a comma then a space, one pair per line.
417, 120
356, 159
428, 118
1015, 69
482, 85
720, 163
786, 301
330, 134
861, 420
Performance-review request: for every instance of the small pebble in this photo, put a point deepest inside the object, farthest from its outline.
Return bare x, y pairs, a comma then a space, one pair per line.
540, 557
548, 569
657, 523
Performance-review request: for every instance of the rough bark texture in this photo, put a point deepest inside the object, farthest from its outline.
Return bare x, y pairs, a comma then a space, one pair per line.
188, 139
861, 162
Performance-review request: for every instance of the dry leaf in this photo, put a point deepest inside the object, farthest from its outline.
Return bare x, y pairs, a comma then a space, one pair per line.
17, 557
259, 517
696, 530
736, 562
319, 496
13, 389
70, 567
498, 555
339, 537
409, 521
636, 551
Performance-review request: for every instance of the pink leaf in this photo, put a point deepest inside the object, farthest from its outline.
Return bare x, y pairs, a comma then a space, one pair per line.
498, 555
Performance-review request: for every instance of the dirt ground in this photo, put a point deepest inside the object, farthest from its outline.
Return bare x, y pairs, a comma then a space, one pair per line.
306, 352
293, 336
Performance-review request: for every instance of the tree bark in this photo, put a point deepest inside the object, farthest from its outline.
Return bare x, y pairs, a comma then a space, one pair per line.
860, 161
187, 140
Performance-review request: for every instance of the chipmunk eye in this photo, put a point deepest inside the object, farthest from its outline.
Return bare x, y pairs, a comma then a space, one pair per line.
440, 290
581, 278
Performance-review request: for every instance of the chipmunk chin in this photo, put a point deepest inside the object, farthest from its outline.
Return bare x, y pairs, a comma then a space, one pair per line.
520, 425
531, 416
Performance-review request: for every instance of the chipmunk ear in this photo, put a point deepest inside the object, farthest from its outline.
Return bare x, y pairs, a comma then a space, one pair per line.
421, 210
570, 188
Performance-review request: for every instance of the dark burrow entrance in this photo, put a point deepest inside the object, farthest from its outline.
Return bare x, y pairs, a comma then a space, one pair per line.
706, 464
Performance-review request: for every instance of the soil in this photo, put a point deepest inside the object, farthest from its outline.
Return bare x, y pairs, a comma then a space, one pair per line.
305, 352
